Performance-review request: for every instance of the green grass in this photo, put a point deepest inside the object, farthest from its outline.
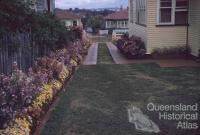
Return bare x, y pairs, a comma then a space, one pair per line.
97, 98
104, 56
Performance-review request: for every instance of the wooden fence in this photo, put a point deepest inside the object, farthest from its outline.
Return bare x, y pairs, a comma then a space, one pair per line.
19, 48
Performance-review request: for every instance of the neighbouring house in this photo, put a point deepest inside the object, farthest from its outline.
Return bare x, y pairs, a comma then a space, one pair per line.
117, 20
42, 5
69, 18
166, 23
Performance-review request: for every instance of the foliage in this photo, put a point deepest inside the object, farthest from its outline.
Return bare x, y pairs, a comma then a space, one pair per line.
13, 14
171, 52
17, 17
96, 22
49, 31
132, 47
25, 95
78, 32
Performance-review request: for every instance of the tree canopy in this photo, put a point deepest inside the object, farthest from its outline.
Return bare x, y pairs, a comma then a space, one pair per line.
17, 17
96, 22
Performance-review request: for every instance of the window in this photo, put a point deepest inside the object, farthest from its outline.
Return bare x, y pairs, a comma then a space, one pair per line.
108, 24
74, 23
141, 12
131, 11
122, 24
118, 24
126, 24
113, 24
165, 11
181, 13
173, 12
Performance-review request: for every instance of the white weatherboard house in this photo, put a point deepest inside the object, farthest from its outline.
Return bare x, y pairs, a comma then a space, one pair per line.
68, 18
166, 23
117, 20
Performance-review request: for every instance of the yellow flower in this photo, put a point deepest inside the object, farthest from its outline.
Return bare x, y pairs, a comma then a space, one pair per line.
44, 97
73, 62
21, 126
65, 73
57, 85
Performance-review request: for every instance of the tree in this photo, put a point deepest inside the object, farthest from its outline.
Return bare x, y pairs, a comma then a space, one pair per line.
12, 15
17, 17
96, 23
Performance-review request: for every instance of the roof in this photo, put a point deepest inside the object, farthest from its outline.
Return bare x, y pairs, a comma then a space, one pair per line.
120, 15
63, 14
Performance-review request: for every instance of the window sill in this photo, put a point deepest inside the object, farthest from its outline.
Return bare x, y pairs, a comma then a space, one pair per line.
144, 25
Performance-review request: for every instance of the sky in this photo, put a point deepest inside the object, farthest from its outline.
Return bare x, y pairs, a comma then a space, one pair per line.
89, 4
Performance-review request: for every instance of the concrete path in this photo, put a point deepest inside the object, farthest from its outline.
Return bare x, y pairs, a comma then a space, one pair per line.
120, 59
177, 63
91, 58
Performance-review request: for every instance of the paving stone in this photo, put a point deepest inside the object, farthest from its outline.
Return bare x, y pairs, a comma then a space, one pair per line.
120, 59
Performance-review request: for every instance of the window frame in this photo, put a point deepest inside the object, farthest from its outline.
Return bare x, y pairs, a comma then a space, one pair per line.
173, 17
140, 6
131, 9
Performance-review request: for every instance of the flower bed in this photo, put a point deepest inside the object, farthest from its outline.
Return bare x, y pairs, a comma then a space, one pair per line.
132, 47
176, 52
25, 97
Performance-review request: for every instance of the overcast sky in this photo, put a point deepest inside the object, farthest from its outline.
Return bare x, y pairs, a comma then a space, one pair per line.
65, 4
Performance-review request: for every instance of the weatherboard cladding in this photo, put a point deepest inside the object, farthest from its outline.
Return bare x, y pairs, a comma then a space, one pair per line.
162, 36
194, 28
158, 36
135, 29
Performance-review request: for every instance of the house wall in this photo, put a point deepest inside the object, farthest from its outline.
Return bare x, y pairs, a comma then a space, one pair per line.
70, 22
32, 4
135, 29
42, 5
53, 4
139, 31
118, 24
194, 28
162, 36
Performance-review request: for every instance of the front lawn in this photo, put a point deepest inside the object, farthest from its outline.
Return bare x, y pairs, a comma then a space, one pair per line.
97, 99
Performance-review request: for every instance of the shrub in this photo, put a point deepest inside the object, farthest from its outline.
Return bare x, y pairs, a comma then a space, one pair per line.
47, 30
171, 52
132, 47
95, 22
78, 32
